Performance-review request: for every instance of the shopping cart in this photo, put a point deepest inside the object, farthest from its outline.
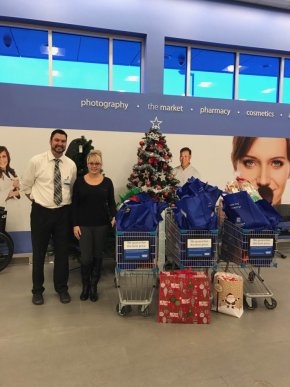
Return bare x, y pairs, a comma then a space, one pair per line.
284, 225
245, 252
188, 248
6, 242
136, 272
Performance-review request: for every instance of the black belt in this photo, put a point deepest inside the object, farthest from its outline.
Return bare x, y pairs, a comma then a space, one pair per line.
50, 209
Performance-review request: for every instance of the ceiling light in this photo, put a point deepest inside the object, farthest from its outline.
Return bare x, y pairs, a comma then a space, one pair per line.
205, 84
56, 51
231, 68
132, 78
268, 91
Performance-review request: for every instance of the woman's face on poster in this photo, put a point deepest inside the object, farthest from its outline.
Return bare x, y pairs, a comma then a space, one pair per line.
3, 160
266, 164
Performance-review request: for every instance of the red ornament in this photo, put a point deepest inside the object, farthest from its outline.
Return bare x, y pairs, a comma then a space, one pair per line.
158, 187
148, 183
165, 194
164, 167
142, 143
140, 161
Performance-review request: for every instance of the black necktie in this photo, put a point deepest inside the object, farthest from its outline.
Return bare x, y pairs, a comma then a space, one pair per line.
57, 195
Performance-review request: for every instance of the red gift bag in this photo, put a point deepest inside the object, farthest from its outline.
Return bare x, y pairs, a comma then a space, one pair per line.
184, 297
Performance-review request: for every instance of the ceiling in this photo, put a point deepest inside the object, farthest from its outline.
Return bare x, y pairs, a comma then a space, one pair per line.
281, 4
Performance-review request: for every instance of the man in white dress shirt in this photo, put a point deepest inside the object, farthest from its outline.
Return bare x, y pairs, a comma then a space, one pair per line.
185, 170
49, 219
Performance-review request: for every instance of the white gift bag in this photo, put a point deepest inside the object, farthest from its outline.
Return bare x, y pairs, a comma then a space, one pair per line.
228, 294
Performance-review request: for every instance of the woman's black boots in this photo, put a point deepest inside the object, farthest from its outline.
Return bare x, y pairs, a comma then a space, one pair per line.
86, 273
85, 292
94, 292
94, 281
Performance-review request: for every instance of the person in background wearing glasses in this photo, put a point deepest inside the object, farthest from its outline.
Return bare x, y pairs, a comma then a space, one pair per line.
94, 211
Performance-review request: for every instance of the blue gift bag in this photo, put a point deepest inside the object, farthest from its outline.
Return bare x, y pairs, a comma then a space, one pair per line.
241, 209
196, 213
195, 187
142, 215
196, 207
269, 211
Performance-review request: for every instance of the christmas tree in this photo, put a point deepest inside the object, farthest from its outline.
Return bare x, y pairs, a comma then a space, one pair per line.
152, 172
78, 151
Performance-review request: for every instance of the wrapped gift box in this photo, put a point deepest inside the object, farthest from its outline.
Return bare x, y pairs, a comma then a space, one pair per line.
184, 297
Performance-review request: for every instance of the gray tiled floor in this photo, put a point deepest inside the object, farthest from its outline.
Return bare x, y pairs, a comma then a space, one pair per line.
88, 344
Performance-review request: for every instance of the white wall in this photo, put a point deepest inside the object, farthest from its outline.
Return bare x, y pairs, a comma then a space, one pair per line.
210, 155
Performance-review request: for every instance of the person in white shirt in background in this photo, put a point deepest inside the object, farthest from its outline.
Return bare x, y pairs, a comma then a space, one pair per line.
9, 182
9, 190
185, 170
50, 217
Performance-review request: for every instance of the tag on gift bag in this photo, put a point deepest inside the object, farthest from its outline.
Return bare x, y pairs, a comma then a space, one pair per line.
228, 294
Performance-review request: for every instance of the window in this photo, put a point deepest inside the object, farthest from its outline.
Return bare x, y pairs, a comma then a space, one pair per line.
286, 83
126, 66
80, 61
174, 78
258, 78
211, 73
63, 59
227, 74
23, 56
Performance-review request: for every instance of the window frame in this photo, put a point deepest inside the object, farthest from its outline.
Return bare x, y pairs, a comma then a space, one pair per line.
88, 33
237, 52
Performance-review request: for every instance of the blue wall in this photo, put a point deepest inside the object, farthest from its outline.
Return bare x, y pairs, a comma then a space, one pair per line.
195, 20
55, 107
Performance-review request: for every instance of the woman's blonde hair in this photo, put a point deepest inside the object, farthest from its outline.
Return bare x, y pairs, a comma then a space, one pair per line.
95, 155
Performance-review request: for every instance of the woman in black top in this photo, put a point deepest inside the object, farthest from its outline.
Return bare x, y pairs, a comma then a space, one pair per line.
94, 211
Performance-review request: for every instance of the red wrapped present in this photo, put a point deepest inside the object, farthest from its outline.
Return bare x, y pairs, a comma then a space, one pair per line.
184, 297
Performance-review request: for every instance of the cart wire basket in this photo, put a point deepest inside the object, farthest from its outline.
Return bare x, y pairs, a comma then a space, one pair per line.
245, 252
248, 247
136, 272
189, 248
